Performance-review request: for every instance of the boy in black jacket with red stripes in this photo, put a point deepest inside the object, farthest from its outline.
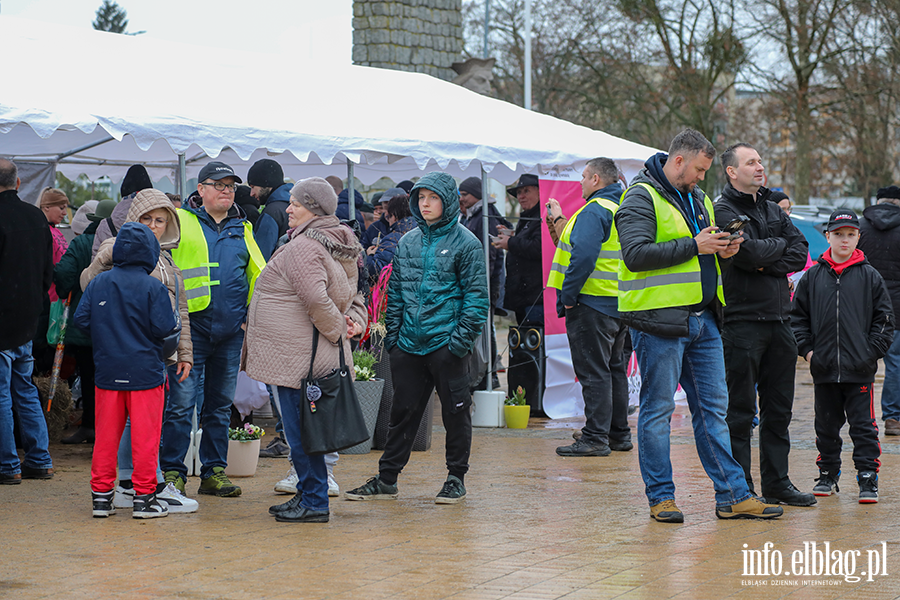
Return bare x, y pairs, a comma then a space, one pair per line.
843, 322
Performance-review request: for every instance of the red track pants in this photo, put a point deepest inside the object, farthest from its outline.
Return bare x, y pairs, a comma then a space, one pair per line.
145, 407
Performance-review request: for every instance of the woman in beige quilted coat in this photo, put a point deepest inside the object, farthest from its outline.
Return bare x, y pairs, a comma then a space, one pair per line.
309, 283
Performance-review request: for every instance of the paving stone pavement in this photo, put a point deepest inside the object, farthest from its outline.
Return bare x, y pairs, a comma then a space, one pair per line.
534, 527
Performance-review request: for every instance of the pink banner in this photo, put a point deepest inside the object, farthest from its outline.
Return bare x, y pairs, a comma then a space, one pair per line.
568, 194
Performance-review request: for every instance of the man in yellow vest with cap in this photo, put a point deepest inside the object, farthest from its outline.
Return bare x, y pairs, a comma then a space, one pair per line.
585, 273
219, 261
670, 293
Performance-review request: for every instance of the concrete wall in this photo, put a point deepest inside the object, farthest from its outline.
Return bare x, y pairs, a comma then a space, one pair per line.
424, 36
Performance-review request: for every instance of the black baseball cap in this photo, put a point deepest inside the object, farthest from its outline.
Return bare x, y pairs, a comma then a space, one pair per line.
842, 217
216, 171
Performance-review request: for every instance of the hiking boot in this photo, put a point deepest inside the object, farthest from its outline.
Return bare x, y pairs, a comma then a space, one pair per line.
146, 506
176, 479
791, 496
751, 508
374, 489
891, 427
290, 504
175, 500
868, 487
453, 491
277, 448
218, 484
828, 483
288, 485
584, 448
333, 489
81, 435
300, 514
666, 512
33, 473
624, 446
14, 479
103, 504
124, 497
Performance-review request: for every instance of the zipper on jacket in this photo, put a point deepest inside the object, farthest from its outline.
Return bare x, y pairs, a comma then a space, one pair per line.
426, 255
839, 328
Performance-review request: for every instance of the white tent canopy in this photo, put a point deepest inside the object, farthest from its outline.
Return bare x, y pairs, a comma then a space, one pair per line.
168, 99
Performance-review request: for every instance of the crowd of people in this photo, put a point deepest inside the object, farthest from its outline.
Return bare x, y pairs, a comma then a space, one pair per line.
169, 303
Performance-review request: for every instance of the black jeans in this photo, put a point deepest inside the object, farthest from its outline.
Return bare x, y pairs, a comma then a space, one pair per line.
84, 360
415, 377
761, 357
601, 347
834, 402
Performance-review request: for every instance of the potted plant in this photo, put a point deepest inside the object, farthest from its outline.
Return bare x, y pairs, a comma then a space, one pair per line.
516, 410
368, 392
243, 450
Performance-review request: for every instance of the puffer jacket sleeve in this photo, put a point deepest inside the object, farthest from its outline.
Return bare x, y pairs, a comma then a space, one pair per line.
357, 311
103, 261
881, 333
185, 344
473, 280
636, 226
308, 277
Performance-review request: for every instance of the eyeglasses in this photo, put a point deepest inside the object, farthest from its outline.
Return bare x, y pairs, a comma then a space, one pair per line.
159, 221
221, 187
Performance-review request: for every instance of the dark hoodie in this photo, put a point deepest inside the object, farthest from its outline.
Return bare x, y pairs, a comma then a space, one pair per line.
128, 313
438, 292
879, 239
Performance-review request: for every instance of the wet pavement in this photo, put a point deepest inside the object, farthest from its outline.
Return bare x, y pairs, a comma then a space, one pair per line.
533, 527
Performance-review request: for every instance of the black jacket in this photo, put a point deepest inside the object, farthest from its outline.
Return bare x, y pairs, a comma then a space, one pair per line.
524, 278
636, 226
879, 239
756, 285
846, 320
474, 222
26, 269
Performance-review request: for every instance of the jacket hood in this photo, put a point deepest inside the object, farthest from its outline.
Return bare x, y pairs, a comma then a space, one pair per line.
883, 216
445, 187
136, 246
338, 239
857, 258
150, 199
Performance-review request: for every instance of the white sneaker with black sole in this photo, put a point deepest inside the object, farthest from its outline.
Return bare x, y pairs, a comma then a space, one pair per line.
124, 497
175, 500
146, 506
333, 489
288, 485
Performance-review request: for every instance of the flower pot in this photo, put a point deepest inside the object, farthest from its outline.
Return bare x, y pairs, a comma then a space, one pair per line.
517, 416
369, 395
242, 458
488, 409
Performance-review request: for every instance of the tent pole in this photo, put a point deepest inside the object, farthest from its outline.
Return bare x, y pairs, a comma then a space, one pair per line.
351, 193
528, 54
181, 177
486, 243
63, 155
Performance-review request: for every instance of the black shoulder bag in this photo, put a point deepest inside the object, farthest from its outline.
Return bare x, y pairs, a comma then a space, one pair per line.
330, 416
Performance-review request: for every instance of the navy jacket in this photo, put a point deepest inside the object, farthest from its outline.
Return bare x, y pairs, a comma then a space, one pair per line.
379, 227
128, 313
343, 206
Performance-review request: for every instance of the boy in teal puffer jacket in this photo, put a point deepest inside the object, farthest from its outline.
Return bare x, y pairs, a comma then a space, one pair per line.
437, 305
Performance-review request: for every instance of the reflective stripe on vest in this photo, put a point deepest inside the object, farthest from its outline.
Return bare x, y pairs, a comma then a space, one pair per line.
192, 257
678, 285
603, 279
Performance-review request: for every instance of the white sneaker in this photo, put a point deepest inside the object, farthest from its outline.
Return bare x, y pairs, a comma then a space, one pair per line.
288, 485
176, 501
333, 490
124, 497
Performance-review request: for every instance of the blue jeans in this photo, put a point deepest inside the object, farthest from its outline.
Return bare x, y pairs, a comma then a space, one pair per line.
209, 388
17, 390
311, 470
890, 391
697, 363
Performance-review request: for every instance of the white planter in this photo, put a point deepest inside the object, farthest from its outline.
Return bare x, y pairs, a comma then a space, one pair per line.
488, 409
242, 458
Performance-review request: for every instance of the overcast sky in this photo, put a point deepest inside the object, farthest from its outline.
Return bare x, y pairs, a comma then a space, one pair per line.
310, 29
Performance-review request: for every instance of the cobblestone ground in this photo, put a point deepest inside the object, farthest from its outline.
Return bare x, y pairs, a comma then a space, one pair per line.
534, 526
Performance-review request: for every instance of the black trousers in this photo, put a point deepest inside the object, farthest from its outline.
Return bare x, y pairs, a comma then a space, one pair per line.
761, 357
601, 347
837, 403
84, 360
415, 377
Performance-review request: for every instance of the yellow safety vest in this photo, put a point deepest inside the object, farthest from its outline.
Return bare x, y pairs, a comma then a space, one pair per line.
603, 280
678, 285
192, 257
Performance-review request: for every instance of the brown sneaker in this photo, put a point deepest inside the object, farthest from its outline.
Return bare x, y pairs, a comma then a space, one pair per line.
891, 427
666, 512
751, 508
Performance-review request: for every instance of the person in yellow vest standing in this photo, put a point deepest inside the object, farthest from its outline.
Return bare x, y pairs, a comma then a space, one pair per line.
585, 274
670, 293
220, 262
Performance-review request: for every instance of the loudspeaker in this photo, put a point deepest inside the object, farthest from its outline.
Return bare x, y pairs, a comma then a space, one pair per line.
528, 365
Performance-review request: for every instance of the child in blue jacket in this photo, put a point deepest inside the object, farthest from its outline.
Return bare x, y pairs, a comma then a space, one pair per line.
128, 314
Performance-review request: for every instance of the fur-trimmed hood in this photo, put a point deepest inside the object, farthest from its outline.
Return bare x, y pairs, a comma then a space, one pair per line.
338, 239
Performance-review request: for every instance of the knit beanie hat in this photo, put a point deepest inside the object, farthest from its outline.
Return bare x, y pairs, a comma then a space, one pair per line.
80, 221
777, 196
266, 173
405, 185
471, 185
891, 191
316, 194
136, 179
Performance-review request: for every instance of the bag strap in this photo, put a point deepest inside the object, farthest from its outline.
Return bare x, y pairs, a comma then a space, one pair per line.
315, 347
112, 227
